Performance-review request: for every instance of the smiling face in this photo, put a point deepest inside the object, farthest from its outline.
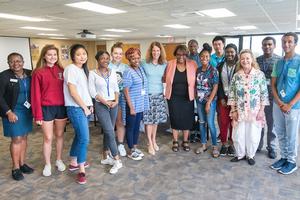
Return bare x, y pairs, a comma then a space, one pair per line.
230, 54
180, 56
246, 61
103, 60
268, 47
204, 58
134, 60
80, 57
16, 64
51, 57
193, 48
288, 44
117, 55
155, 52
218, 47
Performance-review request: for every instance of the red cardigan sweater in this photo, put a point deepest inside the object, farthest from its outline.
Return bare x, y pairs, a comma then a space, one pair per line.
46, 89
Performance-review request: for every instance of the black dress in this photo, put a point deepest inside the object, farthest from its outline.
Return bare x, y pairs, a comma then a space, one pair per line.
181, 109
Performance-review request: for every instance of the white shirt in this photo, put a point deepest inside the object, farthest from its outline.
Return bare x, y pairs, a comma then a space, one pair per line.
104, 87
227, 72
77, 77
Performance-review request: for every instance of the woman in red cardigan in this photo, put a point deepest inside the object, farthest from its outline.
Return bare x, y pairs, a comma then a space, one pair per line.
180, 77
48, 104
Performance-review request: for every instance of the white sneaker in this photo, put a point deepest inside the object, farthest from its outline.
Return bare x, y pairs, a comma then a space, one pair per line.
135, 156
122, 150
139, 152
60, 165
47, 170
117, 165
107, 161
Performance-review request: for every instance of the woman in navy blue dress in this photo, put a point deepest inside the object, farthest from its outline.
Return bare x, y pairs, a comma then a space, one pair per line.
15, 110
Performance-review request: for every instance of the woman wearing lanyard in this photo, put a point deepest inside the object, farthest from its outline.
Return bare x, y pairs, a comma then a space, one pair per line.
154, 68
15, 110
79, 107
207, 87
48, 107
103, 86
119, 67
137, 101
226, 71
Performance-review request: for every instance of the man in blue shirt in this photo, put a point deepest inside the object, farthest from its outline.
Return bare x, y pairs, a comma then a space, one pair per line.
286, 106
218, 45
266, 63
193, 51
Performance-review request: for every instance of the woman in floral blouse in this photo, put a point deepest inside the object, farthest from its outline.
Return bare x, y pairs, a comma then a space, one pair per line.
248, 96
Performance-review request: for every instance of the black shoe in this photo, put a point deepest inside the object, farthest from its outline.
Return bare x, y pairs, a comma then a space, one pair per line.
258, 150
272, 154
193, 137
231, 151
251, 161
223, 151
26, 169
236, 159
17, 174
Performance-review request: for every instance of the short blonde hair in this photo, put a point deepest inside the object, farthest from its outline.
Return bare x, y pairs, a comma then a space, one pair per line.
254, 64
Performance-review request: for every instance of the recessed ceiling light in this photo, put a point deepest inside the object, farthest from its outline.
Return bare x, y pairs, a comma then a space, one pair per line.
164, 36
86, 5
118, 30
110, 35
23, 18
105, 38
216, 13
249, 27
58, 38
177, 26
50, 34
211, 33
38, 28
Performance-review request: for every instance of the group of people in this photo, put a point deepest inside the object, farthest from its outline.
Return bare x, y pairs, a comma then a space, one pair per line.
248, 94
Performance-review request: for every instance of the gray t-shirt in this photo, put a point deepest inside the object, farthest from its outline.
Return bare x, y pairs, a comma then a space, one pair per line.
77, 77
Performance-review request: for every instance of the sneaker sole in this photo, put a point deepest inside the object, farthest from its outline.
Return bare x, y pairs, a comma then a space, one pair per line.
81, 183
136, 159
275, 168
288, 172
60, 169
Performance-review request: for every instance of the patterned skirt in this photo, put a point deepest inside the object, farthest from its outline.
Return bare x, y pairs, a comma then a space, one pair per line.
158, 111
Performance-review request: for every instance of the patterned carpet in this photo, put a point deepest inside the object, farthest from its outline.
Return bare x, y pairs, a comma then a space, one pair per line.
165, 176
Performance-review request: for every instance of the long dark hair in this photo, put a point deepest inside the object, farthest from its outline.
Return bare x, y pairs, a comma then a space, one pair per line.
73, 50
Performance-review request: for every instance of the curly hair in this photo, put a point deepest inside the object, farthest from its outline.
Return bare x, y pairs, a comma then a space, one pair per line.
129, 53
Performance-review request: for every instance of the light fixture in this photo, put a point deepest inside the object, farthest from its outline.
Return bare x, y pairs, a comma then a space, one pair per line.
248, 27
110, 35
86, 5
118, 30
50, 34
298, 17
22, 18
211, 33
58, 38
164, 36
105, 38
38, 28
177, 26
216, 13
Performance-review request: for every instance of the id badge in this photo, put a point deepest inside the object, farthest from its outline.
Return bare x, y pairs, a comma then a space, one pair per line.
143, 92
282, 93
27, 104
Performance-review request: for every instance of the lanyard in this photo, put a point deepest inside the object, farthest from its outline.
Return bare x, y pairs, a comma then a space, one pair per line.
106, 79
140, 75
229, 74
23, 81
284, 71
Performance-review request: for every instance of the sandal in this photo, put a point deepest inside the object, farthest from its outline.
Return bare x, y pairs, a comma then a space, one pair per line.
185, 145
175, 146
200, 150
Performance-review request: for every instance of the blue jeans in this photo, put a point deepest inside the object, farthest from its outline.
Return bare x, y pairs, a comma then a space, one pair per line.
107, 119
132, 127
286, 127
80, 124
208, 118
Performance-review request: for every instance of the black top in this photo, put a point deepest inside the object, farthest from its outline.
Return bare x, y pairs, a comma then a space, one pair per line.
9, 90
180, 84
